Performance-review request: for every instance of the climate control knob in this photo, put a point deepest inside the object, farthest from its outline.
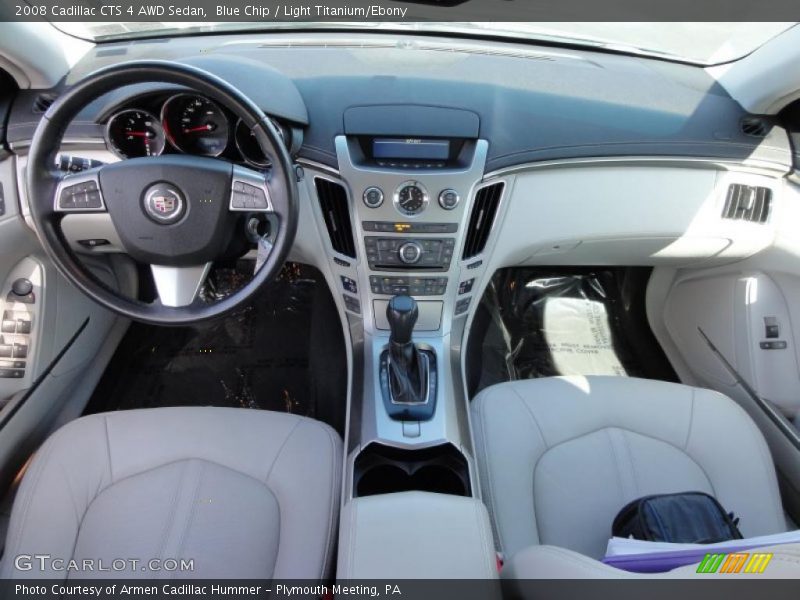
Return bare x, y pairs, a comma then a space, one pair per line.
410, 253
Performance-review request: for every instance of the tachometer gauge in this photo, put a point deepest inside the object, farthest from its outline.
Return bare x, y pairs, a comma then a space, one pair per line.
195, 125
133, 133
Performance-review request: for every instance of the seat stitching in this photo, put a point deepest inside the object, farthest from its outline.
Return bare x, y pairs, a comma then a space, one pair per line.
691, 421
632, 460
329, 541
529, 410
489, 477
265, 481
108, 448
353, 526
47, 450
191, 515
482, 532
617, 465
172, 508
280, 450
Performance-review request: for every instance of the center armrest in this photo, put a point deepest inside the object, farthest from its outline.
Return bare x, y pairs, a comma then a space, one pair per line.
416, 535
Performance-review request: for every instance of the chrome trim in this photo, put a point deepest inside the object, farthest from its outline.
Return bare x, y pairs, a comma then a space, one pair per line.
178, 209
318, 166
754, 164
367, 191
425, 198
426, 383
210, 101
244, 175
178, 286
19, 145
70, 180
107, 131
447, 191
267, 162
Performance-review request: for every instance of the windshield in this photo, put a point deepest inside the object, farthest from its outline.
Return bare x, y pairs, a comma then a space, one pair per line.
702, 43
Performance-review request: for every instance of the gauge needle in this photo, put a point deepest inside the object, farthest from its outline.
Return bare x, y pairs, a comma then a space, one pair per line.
206, 127
144, 134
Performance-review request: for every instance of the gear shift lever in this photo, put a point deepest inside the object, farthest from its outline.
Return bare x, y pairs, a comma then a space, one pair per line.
402, 313
408, 379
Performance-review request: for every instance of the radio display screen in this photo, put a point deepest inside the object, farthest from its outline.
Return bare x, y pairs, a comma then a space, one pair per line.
410, 149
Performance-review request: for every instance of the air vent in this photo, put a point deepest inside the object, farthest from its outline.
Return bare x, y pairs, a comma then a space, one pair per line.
755, 126
747, 203
480, 221
43, 102
333, 202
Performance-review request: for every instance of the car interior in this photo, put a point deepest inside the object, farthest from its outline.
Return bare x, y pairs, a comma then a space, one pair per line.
337, 303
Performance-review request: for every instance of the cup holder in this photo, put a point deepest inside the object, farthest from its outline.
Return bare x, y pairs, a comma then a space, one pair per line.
383, 470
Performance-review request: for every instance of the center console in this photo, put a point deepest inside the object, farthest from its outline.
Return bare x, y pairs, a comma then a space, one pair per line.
408, 217
409, 209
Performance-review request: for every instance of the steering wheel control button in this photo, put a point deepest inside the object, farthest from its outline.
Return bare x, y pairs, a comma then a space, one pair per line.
81, 196
449, 199
164, 204
248, 197
410, 253
373, 197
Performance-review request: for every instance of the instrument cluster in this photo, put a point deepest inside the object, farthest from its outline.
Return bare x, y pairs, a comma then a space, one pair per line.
189, 124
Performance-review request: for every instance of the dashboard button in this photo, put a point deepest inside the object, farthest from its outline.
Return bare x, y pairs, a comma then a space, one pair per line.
373, 197
449, 199
410, 253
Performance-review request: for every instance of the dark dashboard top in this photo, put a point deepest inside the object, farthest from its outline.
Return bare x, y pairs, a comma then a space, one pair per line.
531, 103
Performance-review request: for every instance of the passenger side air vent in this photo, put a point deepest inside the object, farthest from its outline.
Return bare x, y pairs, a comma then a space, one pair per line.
43, 102
480, 221
333, 202
747, 203
755, 126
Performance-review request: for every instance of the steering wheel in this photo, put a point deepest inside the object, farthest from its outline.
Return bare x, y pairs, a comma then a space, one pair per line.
174, 212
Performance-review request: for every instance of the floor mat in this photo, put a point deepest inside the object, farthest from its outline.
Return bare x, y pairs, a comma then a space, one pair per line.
535, 322
260, 357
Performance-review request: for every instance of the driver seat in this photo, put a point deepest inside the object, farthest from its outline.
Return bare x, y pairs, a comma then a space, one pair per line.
241, 493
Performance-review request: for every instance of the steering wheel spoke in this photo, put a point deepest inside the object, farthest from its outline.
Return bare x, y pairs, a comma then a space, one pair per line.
80, 193
178, 286
249, 191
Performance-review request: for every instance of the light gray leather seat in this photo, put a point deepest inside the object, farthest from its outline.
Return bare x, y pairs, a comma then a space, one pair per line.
242, 493
559, 457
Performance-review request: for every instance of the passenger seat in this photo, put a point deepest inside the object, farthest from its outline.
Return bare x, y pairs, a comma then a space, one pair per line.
559, 457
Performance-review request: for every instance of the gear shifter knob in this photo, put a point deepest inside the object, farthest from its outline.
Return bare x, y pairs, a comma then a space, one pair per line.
402, 313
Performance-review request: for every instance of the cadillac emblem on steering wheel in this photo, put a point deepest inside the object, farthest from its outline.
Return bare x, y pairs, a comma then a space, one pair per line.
163, 203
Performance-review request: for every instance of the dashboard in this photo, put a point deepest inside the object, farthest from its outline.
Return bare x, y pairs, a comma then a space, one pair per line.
427, 163
184, 123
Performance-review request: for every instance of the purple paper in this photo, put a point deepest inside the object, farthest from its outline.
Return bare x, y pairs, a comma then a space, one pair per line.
659, 562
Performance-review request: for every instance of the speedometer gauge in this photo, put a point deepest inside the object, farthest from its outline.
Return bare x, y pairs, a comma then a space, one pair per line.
133, 133
195, 125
